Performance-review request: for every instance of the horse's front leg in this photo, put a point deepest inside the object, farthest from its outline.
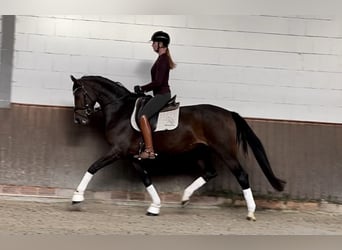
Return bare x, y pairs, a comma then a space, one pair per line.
154, 208
78, 196
79, 193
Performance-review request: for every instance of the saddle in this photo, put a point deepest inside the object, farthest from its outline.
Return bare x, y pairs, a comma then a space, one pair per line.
165, 119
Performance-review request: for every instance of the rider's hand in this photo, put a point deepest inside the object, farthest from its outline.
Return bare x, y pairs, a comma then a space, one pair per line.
138, 90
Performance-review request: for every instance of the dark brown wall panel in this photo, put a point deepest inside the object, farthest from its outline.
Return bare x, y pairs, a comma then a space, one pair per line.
41, 146
307, 155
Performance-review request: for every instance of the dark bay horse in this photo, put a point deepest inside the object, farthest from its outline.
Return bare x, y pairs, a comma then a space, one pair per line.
212, 130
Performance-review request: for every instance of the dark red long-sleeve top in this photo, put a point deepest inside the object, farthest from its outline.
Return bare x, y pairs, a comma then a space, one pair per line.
160, 76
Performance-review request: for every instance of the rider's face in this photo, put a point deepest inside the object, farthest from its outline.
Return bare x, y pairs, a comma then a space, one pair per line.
155, 46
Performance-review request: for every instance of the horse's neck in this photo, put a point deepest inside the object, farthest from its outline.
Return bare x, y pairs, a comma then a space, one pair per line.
107, 98
115, 111
115, 103
107, 93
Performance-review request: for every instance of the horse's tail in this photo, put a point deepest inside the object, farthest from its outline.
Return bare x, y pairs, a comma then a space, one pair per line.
246, 135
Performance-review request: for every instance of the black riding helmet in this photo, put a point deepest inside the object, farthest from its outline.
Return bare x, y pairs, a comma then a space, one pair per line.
161, 36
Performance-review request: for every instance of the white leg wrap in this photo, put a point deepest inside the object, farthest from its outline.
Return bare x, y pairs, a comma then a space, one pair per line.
155, 206
154, 209
79, 193
199, 182
247, 193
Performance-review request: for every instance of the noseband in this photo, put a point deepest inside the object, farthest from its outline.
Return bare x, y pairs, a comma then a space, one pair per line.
87, 109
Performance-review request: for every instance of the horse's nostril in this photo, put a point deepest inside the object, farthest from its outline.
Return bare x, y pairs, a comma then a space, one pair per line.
76, 121
80, 120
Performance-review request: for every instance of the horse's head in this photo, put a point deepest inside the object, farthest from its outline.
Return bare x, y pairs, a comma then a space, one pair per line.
84, 102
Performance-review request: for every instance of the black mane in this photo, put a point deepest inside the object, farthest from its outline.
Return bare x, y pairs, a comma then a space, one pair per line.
115, 86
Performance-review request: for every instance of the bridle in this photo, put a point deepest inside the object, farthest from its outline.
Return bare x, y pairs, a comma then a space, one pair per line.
87, 109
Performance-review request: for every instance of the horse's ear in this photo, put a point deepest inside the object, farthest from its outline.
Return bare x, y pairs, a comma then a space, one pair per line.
73, 79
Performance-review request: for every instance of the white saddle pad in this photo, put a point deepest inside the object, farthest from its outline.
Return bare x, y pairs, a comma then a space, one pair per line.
166, 120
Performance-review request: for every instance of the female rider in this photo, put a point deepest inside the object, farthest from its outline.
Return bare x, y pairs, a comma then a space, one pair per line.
160, 88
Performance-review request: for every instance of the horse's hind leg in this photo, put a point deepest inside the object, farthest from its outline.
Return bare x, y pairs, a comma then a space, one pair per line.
209, 173
154, 208
189, 190
242, 178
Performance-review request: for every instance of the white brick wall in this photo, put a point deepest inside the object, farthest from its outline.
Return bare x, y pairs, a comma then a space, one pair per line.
260, 66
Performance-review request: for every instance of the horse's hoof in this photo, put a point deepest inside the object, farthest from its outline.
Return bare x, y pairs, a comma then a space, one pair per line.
251, 218
185, 203
76, 206
151, 214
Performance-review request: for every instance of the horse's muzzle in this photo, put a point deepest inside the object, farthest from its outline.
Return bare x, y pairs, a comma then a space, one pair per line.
80, 119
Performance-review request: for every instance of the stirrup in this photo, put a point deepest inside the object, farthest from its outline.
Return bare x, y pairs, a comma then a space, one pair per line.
146, 154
